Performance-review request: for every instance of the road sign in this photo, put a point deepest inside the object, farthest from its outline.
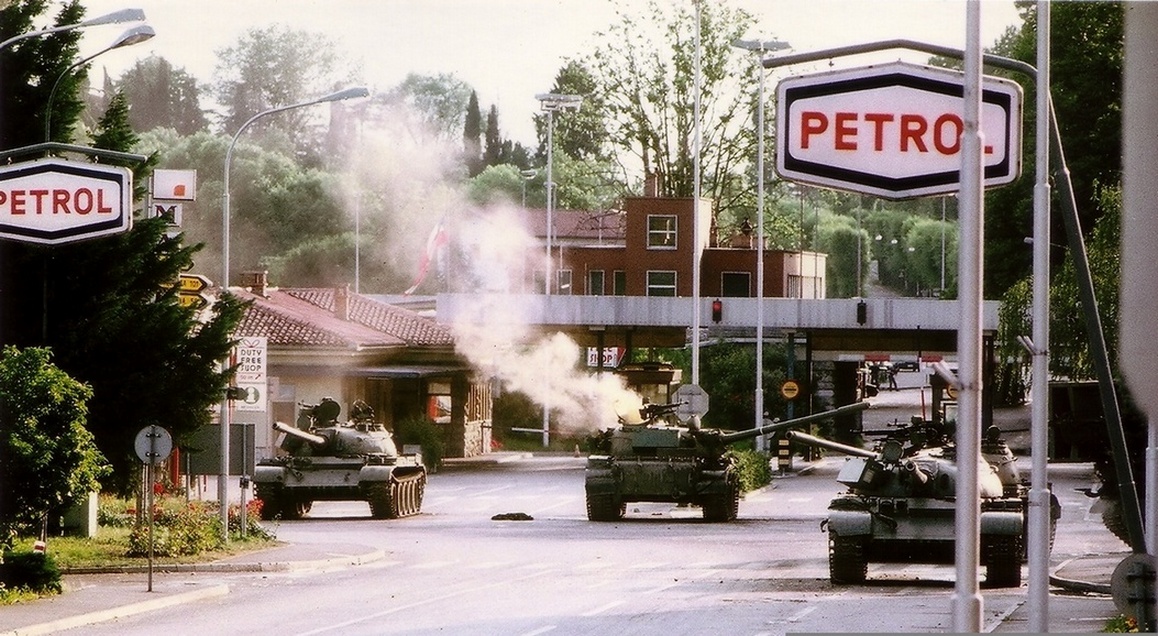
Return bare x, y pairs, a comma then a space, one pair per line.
251, 376
790, 389
54, 201
693, 401
192, 283
892, 130
153, 444
175, 185
190, 288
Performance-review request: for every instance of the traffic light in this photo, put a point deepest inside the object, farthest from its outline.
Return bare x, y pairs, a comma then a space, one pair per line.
861, 312
717, 310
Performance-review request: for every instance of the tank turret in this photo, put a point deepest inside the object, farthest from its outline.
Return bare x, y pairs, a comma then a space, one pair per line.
324, 459
899, 505
650, 456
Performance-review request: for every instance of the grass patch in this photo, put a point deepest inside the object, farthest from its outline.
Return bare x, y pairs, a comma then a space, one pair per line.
110, 548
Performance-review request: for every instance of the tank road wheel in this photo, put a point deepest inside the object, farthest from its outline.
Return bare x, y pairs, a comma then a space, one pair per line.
604, 507
271, 500
380, 495
724, 506
847, 562
1002, 560
407, 495
297, 507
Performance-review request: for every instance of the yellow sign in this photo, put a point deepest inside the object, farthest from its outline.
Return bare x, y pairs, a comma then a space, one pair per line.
790, 389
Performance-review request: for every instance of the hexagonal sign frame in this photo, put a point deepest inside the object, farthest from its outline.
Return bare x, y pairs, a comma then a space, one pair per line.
892, 130
53, 201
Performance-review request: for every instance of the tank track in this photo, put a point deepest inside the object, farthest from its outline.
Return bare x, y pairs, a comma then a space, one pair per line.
399, 497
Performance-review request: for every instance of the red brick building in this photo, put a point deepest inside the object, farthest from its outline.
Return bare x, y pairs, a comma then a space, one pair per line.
648, 249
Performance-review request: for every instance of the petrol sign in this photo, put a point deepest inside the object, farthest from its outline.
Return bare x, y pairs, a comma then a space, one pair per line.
892, 130
55, 201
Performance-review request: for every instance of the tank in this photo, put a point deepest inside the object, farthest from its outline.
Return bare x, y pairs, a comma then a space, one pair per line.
651, 457
899, 506
325, 460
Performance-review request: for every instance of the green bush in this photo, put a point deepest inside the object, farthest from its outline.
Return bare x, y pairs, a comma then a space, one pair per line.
114, 512
422, 432
179, 528
753, 469
33, 571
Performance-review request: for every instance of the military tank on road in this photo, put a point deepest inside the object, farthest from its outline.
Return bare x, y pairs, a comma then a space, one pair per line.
326, 460
900, 504
649, 456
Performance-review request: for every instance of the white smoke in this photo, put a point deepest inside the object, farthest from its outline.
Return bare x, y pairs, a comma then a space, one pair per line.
411, 173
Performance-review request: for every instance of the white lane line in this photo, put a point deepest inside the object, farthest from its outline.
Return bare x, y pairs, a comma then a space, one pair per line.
602, 608
426, 601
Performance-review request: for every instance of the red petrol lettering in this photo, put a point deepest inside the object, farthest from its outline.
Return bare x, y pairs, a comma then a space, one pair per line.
844, 130
811, 123
913, 128
878, 121
939, 126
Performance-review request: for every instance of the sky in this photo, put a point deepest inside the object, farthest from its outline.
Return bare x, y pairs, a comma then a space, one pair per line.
507, 50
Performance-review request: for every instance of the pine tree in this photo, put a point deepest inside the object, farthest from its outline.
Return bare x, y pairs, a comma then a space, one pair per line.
494, 146
472, 137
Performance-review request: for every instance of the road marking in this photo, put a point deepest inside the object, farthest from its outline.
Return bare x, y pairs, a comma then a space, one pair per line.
602, 608
425, 601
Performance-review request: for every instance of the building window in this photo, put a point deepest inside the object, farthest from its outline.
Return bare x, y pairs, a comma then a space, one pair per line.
595, 282
661, 283
795, 286
619, 282
661, 231
564, 278
736, 284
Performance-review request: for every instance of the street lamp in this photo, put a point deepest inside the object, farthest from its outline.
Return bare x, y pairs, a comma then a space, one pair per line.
760, 48
527, 175
116, 17
131, 36
551, 102
349, 93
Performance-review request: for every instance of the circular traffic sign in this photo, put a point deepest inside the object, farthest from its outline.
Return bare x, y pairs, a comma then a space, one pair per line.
693, 402
790, 389
153, 444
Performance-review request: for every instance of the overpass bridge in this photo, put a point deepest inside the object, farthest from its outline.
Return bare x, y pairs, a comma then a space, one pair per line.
844, 329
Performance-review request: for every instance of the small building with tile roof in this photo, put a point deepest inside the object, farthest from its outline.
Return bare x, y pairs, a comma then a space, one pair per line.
331, 342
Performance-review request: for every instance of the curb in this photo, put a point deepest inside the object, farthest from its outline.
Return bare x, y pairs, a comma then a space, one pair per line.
123, 611
218, 566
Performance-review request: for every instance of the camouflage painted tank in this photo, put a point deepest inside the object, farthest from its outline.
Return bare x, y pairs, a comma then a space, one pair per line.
325, 460
900, 507
651, 457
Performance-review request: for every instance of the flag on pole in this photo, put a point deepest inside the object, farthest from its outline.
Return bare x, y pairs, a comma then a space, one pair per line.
435, 242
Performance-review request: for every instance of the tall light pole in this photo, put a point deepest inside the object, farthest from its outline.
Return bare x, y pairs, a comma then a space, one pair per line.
131, 36
550, 103
223, 480
760, 48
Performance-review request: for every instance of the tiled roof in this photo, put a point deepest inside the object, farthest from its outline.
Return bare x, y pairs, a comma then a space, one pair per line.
406, 325
608, 226
304, 317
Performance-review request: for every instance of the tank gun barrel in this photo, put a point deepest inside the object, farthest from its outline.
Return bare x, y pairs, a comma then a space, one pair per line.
776, 427
316, 440
820, 442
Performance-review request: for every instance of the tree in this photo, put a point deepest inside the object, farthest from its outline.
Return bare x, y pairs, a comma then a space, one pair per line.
646, 81
472, 137
271, 67
1086, 79
45, 446
493, 149
162, 97
24, 103
440, 101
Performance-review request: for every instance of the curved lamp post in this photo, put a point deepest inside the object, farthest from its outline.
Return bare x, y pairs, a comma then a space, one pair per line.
133, 35
223, 481
116, 17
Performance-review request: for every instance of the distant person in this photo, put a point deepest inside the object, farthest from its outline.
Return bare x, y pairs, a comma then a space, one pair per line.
893, 378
